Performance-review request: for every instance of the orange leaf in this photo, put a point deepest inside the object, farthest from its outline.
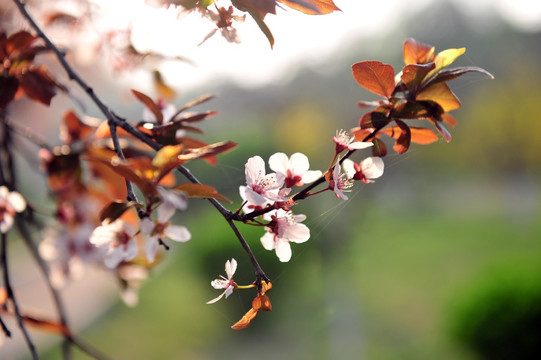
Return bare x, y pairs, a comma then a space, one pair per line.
375, 76
207, 152
244, 322
149, 104
312, 7
440, 94
46, 325
201, 191
422, 136
73, 129
415, 52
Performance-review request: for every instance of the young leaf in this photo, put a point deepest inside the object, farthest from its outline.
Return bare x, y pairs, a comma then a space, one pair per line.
413, 74
422, 136
415, 52
115, 209
38, 85
444, 59
72, 129
312, 7
375, 76
450, 74
264, 28
149, 104
374, 119
201, 191
440, 94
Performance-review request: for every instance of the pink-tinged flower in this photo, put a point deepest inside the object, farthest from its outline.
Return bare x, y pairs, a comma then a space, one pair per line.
284, 228
261, 188
160, 229
67, 250
225, 283
367, 170
294, 169
117, 238
11, 202
339, 183
343, 141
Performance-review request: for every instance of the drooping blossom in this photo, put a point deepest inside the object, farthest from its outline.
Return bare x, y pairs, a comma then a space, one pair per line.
225, 283
117, 238
294, 169
344, 141
261, 188
11, 202
160, 229
339, 182
367, 170
284, 228
67, 250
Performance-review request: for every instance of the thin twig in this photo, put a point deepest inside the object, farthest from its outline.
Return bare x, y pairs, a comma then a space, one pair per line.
11, 296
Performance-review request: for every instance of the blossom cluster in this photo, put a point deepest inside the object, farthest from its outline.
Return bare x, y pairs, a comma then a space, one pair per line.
269, 197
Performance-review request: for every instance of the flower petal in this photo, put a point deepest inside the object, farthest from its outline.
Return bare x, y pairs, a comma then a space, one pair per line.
283, 250
279, 162
16, 201
177, 233
267, 241
372, 167
254, 169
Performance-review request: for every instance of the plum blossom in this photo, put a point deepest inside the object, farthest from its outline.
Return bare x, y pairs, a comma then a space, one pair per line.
117, 238
228, 284
344, 141
367, 170
294, 169
11, 202
161, 228
261, 188
67, 250
339, 183
283, 228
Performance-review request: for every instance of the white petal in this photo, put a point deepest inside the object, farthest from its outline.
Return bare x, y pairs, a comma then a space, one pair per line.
372, 167
279, 162
360, 145
6, 223
146, 225
230, 268
219, 283
311, 175
178, 199
165, 212
216, 298
131, 250
16, 201
254, 198
151, 248
229, 291
349, 168
283, 250
113, 257
299, 163
297, 233
267, 241
254, 169
177, 233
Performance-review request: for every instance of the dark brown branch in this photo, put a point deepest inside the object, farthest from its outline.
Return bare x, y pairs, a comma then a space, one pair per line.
11, 296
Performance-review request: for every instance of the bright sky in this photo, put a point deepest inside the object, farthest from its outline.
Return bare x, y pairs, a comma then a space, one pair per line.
299, 39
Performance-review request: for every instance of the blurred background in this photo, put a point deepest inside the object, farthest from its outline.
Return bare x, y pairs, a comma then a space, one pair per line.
439, 259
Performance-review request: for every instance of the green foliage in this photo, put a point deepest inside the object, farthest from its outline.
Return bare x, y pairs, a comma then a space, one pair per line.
500, 317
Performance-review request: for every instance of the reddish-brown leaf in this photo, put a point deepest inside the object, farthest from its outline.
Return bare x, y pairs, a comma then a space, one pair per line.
149, 104
448, 119
201, 191
38, 85
413, 74
374, 119
262, 7
375, 76
402, 134
73, 129
207, 152
46, 325
115, 209
19, 43
312, 7
415, 52
450, 74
